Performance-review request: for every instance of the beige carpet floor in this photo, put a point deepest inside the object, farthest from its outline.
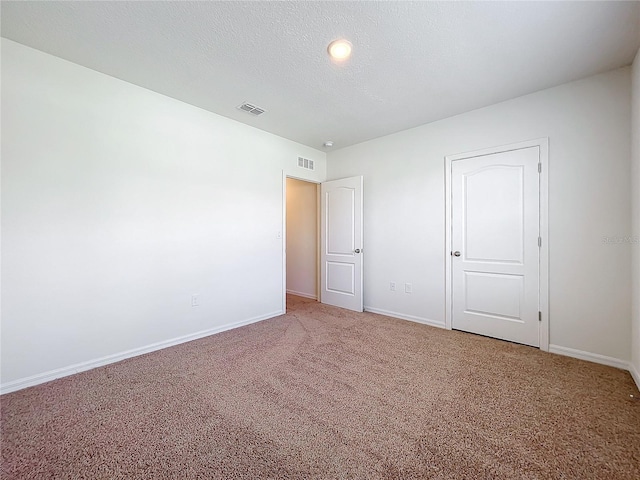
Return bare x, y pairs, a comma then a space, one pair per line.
325, 393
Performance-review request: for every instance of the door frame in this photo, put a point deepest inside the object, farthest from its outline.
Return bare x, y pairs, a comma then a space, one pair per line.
285, 175
543, 268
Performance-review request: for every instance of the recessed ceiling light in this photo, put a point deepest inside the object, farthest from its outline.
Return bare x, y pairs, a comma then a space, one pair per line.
339, 49
328, 143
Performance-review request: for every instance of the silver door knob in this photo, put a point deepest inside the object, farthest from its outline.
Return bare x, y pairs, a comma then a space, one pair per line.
357, 250
456, 253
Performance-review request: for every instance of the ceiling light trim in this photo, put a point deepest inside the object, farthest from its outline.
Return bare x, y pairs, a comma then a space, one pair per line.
340, 49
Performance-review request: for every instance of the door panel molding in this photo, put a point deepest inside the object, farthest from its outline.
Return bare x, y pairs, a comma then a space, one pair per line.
543, 268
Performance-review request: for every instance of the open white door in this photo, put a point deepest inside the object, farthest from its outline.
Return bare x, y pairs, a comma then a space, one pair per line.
341, 243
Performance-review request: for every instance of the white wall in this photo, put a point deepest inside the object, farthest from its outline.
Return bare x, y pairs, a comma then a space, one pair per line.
118, 204
302, 238
588, 125
635, 243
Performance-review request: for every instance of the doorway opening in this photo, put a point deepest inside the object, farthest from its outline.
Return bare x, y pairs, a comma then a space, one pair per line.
301, 242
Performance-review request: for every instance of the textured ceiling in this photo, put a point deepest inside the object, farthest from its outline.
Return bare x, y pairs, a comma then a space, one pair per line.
412, 63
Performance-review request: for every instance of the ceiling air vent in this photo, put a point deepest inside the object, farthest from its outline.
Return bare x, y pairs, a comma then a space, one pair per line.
305, 163
252, 109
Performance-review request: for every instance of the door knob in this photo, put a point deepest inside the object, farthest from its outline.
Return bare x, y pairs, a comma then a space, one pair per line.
456, 253
357, 250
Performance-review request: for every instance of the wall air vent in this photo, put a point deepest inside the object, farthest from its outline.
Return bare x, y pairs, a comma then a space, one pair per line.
250, 108
305, 163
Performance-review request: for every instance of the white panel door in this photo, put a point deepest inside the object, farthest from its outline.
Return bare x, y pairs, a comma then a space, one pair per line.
495, 252
341, 239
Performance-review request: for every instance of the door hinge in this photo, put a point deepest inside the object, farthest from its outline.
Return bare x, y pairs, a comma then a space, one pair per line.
540, 167
539, 316
539, 241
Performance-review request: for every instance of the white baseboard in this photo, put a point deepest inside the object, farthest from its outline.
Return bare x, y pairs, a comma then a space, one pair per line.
634, 374
402, 316
300, 294
590, 357
99, 362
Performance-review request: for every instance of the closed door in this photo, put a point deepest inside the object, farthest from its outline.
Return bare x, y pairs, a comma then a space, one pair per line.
341, 237
495, 245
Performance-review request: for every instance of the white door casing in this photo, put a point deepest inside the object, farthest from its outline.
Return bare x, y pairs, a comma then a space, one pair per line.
341, 243
496, 275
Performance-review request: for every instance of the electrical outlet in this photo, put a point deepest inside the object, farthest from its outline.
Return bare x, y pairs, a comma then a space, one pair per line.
408, 288
195, 301
392, 286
